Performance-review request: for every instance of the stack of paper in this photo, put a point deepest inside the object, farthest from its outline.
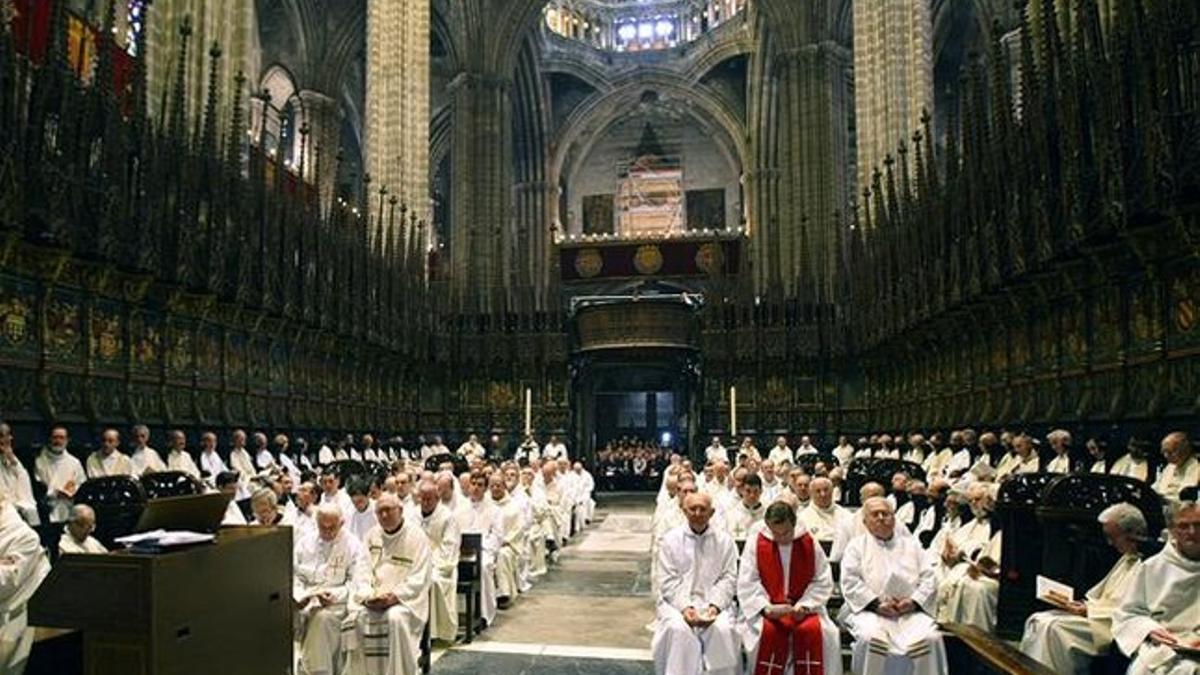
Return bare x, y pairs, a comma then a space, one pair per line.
164, 539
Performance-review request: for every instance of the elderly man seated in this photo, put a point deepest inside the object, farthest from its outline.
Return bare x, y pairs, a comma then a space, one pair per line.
889, 592
694, 631
327, 564
783, 584
1066, 639
23, 565
77, 535
445, 540
1158, 622
822, 517
969, 566
388, 611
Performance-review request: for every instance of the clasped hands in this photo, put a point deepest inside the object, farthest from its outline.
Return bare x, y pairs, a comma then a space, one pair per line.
784, 610
382, 602
893, 608
324, 598
700, 619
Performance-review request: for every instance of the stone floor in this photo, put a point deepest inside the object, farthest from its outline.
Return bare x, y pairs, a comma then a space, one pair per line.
586, 616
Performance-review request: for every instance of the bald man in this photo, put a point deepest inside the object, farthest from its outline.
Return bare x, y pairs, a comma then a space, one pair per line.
1181, 470
328, 562
109, 460
695, 628
445, 540
77, 535
389, 609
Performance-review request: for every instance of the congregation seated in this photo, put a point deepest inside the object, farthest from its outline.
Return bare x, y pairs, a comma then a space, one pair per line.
1068, 637
77, 535
694, 627
889, 593
1158, 621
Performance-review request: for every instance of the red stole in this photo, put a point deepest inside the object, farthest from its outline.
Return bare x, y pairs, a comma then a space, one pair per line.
803, 635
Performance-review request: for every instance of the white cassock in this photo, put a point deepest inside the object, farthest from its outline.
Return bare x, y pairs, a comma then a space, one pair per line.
389, 642
771, 491
146, 460
753, 598
935, 464
55, 470
525, 505
511, 518
1060, 464
1163, 594
824, 524
113, 464
1067, 642
361, 522
873, 569
1007, 464
239, 461
670, 517
740, 520
779, 455
441, 528
844, 453
334, 567
67, 544
541, 530
325, 455
234, 516
968, 601
342, 501
555, 451
1130, 467
555, 499
23, 565
1174, 477
483, 518
288, 464
212, 464
587, 487
851, 528
180, 460
716, 453
18, 489
263, 459
696, 570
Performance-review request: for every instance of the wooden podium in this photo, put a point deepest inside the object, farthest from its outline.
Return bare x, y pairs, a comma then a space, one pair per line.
223, 608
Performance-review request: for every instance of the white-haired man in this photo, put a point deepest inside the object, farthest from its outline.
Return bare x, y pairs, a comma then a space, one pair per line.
969, 567
389, 610
14, 479
1159, 616
23, 565
889, 594
328, 563
781, 452
1182, 468
822, 517
695, 631
144, 458
77, 535
1066, 639
1060, 443
108, 460
444, 540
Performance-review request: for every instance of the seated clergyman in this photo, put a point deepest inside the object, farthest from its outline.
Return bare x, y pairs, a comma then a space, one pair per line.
1158, 621
444, 539
783, 584
889, 592
23, 565
969, 566
327, 564
694, 631
1067, 638
382, 634
77, 535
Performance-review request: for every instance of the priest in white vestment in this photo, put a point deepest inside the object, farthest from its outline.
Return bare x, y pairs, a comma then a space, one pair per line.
695, 629
178, 458
743, 518
556, 499
853, 527
716, 452
967, 565
554, 449
211, 464
587, 485
889, 593
77, 535
14, 480
668, 518
109, 460
511, 530
327, 564
1181, 470
441, 528
781, 452
542, 525
23, 565
477, 515
783, 584
387, 614
241, 462
1068, 638
471, 448
1158, 621
144, 458
331, 493
61, 473
822, 518
1133, 463
362, 517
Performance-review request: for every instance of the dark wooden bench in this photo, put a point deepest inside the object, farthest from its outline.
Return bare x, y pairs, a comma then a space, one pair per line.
971, 650
470, 583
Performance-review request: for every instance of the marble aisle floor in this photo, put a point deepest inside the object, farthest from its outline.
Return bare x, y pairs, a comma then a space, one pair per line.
587, 615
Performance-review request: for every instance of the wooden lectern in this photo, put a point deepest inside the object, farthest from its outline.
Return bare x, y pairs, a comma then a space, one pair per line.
222, 608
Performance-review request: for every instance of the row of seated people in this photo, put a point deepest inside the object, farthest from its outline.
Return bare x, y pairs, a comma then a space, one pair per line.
631, 464
519, 515
957, 541
1005, 453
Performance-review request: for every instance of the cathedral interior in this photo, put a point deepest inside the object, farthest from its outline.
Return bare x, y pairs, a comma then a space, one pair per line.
601, 220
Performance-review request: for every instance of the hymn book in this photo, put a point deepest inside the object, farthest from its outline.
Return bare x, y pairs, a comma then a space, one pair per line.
1054, 592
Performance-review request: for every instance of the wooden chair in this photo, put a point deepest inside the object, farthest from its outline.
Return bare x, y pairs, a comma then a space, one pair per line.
470, 582
424, 662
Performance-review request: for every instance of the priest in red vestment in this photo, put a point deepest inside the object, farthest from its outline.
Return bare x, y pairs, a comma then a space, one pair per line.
783, 585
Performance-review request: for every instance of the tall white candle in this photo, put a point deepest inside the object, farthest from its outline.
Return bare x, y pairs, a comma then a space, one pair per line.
528, 411
732, 411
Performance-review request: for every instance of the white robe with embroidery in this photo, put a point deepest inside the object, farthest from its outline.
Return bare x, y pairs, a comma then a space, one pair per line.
753, 598
483, 518
55, 471
873, 569
441, 528
23, 565
696, 570
1067, 642
968, 601
389, 642
1163, 594
318, 566
511, 531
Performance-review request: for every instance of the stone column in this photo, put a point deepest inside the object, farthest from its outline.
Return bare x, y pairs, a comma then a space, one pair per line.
324, 119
